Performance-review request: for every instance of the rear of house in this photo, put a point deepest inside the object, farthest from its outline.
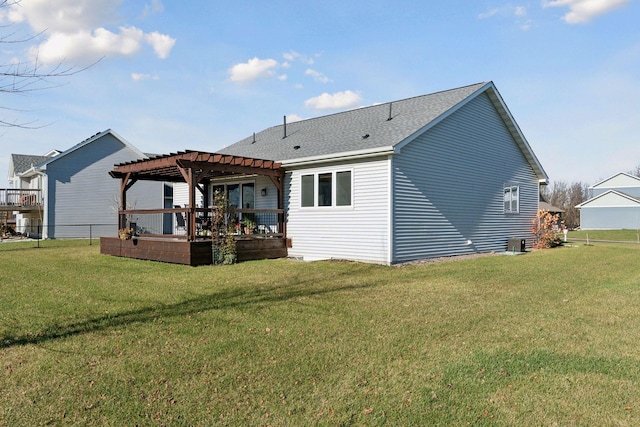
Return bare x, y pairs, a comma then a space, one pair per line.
438, 175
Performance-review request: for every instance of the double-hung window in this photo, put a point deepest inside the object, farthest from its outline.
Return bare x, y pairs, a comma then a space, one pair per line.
511, 199
326, 189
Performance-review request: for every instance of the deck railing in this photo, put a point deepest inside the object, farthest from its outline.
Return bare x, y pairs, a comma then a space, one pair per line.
20, 197
196, 223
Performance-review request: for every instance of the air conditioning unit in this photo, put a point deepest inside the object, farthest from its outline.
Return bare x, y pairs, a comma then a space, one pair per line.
516, 245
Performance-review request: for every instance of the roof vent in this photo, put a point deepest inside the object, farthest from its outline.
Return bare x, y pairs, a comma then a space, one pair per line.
254, 138
285, 127
390, 110
296, 147
365, 136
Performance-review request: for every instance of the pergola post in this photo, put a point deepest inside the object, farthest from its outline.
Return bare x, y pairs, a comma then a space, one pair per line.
126, 181
278, 181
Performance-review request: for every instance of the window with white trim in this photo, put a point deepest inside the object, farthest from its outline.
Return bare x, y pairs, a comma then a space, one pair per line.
326, 189
239, 194
511, 199
307, 188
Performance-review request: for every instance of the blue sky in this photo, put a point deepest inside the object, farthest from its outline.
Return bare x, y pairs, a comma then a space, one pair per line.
178, 75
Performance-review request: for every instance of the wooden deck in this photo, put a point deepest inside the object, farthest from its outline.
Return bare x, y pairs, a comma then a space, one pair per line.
20, 200
194, 253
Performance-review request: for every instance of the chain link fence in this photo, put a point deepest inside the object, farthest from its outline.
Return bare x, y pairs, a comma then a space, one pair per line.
90, 232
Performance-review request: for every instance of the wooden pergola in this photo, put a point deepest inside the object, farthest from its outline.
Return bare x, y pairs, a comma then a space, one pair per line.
197, 169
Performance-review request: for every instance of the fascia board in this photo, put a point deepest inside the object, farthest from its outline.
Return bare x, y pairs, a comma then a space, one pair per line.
351, 155
596, 185
617, 193
34, 170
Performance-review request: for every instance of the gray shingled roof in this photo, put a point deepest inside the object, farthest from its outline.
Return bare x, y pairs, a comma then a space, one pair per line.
24, 162
347, 131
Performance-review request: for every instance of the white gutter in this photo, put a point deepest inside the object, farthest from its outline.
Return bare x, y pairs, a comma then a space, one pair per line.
349, 155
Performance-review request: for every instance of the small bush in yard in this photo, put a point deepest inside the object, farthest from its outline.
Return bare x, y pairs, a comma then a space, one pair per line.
544, 229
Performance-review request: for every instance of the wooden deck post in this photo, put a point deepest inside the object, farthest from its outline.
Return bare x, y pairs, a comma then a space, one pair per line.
278, 181
125, 183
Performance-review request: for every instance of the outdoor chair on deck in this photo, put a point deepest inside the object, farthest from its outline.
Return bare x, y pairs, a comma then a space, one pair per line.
181, 224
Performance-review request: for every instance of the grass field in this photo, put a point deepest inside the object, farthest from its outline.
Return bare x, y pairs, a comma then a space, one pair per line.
547, 338
626, 235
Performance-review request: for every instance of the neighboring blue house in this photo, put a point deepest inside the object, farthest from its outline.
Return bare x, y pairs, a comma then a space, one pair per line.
444, 174
77, 196
614, 204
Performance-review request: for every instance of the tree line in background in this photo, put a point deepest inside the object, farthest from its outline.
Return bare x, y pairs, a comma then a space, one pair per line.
567, 196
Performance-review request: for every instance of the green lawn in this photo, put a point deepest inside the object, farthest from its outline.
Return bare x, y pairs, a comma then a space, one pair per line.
547, 338
613, 235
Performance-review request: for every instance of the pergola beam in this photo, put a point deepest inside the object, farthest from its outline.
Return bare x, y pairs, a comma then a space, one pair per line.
195, 168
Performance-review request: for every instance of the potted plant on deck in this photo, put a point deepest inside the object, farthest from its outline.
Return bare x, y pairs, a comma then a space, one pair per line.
126, 233
248, 223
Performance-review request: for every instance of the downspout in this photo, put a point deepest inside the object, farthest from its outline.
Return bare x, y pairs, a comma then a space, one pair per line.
281, 204
390, 218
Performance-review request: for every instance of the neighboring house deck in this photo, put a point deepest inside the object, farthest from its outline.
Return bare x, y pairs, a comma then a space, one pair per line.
23, 204
14, 202
12, 199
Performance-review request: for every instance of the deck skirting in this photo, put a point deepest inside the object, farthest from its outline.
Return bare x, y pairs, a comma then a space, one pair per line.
189, 253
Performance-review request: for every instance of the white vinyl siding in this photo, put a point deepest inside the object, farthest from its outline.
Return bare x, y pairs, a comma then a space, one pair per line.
629, 185
181, 194
610, 218
448, 187
359, 231
610, 211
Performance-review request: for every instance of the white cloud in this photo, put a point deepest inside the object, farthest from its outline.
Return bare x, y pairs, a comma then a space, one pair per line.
582, 11
85, 45
510, 12
293, 56
138, 77
317, 76
76, 30
154, 7
161, 43
67, 16
488, 14
338, 100
293, 118
253, 69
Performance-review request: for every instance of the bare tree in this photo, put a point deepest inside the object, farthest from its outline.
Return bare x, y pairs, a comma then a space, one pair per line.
636, 171
27, 76
557, 196
578, 193
566, 197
